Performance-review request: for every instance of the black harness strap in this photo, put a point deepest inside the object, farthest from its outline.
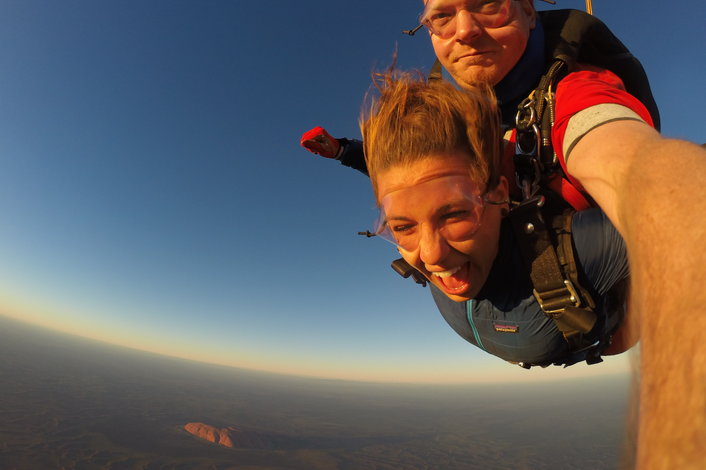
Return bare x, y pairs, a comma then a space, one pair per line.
543, 231
574, 36
535, 160
549, 260
565, 252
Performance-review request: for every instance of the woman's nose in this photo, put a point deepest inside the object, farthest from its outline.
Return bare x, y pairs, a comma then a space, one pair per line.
433, 247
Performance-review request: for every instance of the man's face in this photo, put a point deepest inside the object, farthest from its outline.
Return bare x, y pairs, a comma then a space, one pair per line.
477, 53
436, 214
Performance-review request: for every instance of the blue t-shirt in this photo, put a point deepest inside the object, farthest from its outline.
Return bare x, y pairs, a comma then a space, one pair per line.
505, 318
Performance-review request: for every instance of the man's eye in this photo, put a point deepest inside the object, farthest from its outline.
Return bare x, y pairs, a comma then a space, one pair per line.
441, 17
488, 6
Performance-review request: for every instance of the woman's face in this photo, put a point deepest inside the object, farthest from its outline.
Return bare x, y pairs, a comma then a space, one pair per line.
440, 222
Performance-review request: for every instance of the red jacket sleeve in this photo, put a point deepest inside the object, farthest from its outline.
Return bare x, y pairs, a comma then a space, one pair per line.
582, 89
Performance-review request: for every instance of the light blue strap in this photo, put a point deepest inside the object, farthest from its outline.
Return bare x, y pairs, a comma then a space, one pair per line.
469, 314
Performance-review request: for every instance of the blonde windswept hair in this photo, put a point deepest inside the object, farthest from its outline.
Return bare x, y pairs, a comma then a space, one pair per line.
408, 118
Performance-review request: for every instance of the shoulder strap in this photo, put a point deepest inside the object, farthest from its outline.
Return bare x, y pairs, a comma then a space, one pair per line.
548, 253
574, 36
535, 160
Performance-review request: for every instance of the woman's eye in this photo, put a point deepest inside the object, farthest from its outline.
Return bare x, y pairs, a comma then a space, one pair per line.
401, 228
455, 215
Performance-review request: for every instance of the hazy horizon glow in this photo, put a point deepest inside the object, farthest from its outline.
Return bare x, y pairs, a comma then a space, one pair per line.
351, 369
154, 194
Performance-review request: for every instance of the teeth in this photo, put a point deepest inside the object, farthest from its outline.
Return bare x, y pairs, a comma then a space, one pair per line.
448, 273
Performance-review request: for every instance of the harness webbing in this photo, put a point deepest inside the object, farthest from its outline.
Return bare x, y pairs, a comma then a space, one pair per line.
549, 260
574, 36
546, 244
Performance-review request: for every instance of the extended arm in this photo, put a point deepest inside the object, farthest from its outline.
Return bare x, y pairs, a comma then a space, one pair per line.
654, 191
347, 151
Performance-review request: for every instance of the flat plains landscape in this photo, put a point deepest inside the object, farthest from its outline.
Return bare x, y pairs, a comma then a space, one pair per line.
73, 403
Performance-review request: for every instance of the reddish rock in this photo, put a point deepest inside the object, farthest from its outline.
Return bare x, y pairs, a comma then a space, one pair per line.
228, 437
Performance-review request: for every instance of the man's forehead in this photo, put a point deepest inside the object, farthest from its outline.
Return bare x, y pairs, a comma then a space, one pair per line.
433, 3
425, 2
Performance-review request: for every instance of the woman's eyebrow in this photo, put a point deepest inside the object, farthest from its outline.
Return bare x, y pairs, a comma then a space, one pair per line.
398, 217
454, 205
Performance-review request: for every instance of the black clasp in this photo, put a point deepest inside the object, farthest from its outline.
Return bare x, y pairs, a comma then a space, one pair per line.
528, 141
404, 269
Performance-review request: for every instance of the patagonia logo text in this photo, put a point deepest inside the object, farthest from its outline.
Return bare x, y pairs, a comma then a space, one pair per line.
506, 328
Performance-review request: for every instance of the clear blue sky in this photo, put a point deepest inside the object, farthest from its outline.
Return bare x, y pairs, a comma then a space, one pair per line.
153, 192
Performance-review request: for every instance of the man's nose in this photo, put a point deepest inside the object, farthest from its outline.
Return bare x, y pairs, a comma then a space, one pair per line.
433, 247
467, 28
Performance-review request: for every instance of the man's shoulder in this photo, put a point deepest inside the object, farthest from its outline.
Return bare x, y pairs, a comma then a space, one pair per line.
588, 75
588, 86
585, 100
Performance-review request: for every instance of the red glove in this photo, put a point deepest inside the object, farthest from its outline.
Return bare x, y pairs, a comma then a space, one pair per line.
319, 141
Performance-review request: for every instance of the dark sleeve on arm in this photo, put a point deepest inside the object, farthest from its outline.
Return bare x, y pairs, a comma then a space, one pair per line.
600, 250
352, 155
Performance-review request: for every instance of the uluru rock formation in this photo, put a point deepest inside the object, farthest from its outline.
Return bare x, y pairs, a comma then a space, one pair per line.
229, 437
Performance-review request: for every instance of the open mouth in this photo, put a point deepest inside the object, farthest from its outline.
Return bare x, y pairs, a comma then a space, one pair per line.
454, 281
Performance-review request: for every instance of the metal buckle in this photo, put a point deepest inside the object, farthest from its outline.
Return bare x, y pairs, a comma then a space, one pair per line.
528, 167
573, 297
